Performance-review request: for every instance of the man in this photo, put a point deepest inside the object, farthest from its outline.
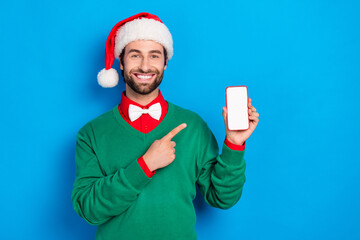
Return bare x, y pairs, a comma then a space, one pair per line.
130, 181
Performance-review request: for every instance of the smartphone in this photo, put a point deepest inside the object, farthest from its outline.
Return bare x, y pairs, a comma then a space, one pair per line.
237, 99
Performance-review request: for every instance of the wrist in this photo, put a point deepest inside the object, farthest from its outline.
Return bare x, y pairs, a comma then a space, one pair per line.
145, 168
148, 163
239, 142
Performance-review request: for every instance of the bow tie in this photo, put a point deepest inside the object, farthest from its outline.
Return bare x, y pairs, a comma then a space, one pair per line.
135, 112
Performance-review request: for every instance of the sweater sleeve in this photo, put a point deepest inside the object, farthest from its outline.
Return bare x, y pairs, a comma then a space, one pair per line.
98, 197
220, 177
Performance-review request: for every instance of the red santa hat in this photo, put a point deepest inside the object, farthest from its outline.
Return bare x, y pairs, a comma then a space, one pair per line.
142, 26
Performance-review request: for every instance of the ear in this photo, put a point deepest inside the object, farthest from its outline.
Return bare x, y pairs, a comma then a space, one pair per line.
121, 66
165, 65
121, 56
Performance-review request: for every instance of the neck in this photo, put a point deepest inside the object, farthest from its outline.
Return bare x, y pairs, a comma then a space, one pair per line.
139, 98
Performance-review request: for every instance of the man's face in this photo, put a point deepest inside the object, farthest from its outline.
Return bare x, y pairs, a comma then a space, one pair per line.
143, 65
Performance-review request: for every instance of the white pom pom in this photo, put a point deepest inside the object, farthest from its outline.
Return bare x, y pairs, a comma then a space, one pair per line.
108, 78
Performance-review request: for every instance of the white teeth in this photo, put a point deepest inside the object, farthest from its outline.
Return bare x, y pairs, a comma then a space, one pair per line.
144, 76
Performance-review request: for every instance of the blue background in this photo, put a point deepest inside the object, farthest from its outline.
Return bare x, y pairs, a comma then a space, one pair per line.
299, 59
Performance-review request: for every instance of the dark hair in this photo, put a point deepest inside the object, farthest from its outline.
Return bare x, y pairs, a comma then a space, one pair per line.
121, 57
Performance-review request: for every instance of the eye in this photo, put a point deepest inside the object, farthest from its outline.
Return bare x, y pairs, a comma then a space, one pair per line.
154, 56
135, 56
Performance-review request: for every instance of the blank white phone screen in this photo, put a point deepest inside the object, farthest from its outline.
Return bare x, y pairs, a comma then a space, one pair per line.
237, 105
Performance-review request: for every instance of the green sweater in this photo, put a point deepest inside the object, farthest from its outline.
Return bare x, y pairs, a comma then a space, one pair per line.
112, 191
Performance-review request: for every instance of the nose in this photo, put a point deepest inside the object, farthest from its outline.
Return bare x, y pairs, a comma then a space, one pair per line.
144, 66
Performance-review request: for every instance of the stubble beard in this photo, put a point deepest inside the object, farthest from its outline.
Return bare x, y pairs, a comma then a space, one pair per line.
143, 88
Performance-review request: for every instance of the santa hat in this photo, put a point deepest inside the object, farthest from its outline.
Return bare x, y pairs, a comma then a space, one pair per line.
142, 26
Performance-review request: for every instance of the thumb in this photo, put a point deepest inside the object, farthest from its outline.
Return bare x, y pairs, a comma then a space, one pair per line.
224, 114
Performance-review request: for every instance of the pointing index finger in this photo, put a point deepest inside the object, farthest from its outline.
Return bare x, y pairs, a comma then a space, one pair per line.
175, 131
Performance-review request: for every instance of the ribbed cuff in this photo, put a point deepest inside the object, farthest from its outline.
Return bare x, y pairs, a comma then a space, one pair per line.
232, 157
136, 176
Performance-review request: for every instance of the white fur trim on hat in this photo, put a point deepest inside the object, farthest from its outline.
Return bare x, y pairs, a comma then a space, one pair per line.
108, 78
143, 29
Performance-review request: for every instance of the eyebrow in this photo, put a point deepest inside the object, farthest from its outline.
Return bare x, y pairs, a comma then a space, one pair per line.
137, 51
134, 50
155, 51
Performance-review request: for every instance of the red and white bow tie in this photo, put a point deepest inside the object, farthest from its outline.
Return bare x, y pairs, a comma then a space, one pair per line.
135, 112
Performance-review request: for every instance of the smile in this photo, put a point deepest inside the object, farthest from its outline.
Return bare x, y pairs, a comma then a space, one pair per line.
143, 76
